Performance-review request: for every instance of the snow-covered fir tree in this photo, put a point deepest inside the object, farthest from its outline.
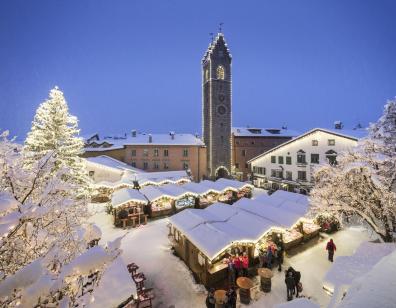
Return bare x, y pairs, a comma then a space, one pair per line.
55, 130
362, 181
48, 252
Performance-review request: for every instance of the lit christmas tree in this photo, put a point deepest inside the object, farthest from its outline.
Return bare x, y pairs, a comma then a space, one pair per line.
55, 131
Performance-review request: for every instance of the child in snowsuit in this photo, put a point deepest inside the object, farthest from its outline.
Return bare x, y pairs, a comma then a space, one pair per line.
331, 247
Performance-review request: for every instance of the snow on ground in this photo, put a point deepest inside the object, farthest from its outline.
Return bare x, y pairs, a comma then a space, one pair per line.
148, 246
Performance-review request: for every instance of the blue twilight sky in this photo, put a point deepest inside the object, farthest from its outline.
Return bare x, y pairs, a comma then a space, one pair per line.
136, 64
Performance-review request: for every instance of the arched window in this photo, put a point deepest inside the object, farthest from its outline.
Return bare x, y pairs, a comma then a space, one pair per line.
206, 75
220, 72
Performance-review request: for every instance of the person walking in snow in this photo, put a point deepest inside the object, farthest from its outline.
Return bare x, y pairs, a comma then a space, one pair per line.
331, 248
289, 281
210, 299
245, 264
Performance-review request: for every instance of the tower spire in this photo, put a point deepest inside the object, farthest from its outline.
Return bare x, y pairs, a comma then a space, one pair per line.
221, 27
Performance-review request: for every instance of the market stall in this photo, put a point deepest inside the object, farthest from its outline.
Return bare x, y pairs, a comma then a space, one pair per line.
206, 195
128, 207
218, 231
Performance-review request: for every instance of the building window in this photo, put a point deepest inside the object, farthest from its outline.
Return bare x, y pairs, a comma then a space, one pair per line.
237, 166
222, 139
261, 170
185, 152
166, 153
273, 159
289, 176
185, 165
301, 157
288, 160
273, 173
133, 153
314, 158
133, 164
220, 72
315, 143
91, 173
206, 74
145, 152
243, 152
331, 142
252, 142
156, 165
331, 157
302, 175
237, 142
145, 165
166, 166
156, 152
246, 166
280, 160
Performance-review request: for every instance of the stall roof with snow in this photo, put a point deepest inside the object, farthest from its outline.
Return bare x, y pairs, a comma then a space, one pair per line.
126, 195
214, 229
109, 162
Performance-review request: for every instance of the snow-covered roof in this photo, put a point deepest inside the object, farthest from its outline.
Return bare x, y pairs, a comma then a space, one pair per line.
199, 188
346, 268
158, 178
214, 229
147, 178
125, 195
118, 142
349, 134
173, 191
263, 132
375, 288
110, 162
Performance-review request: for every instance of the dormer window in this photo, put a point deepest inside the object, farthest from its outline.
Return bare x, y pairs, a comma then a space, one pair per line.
220, 72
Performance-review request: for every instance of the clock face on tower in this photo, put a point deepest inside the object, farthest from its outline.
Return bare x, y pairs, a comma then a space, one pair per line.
221, 110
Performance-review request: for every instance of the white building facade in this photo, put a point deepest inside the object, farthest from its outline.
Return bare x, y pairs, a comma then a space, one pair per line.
290, 165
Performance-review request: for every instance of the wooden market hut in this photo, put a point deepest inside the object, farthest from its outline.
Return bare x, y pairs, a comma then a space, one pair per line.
203, 238
128, 207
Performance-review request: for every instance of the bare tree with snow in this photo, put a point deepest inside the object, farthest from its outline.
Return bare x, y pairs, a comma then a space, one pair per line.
362, 182
45, 243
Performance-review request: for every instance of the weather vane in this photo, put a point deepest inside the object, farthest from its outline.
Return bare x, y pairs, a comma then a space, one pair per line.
221, 27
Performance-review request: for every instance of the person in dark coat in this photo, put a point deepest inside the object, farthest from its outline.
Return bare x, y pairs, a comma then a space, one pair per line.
297, 278
280, 256
269, 257
331, 248
289, 281
231, 298
210, 300
231, 271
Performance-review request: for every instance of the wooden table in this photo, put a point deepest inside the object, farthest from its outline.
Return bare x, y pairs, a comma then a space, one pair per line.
265, 279
220, 297
244, 285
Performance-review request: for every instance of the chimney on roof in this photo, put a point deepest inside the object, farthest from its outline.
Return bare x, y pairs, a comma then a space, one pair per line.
134, 133
338, 125
172, 134
150, 138
197, 135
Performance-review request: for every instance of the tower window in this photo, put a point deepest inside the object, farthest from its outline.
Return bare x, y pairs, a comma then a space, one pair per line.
206, 74
220, 72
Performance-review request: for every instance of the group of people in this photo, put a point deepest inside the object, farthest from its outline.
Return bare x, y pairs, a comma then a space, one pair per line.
238, 266
292, 281
273, 253
229, 302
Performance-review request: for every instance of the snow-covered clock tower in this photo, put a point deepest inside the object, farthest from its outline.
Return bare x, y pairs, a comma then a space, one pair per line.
216, 107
